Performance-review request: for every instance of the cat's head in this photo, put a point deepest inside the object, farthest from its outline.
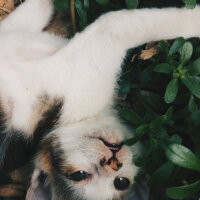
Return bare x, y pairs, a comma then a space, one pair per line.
87, 160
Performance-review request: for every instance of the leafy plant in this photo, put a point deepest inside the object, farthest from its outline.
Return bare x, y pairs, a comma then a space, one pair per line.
161, 101
173, 76
190, 3
131, 4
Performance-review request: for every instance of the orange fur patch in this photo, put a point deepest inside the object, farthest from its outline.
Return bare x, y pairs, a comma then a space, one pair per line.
12, 190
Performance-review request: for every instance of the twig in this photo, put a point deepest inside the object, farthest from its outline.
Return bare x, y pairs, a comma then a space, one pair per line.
73, 16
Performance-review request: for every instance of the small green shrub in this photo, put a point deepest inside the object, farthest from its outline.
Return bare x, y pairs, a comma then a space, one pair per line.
161, 100
164, 108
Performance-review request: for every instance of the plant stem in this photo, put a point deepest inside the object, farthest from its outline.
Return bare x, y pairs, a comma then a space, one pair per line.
73, 15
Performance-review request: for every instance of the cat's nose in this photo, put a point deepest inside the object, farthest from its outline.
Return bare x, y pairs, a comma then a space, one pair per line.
113, 161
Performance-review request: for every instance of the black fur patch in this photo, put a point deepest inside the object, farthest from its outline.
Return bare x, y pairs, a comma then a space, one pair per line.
60, 188
48, 122
15, 149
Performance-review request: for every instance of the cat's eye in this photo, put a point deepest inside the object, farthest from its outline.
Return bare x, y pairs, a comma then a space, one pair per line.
79, 175
121, 183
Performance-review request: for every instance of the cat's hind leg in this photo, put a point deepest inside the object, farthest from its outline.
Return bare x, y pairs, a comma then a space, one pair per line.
30, 16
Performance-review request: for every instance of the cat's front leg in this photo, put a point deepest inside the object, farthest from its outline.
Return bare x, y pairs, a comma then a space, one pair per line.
30, 16
92, 59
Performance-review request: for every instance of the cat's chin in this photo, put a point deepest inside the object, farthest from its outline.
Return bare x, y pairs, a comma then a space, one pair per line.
87, 160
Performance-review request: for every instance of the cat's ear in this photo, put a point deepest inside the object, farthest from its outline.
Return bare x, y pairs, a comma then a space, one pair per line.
30, 16
38, 189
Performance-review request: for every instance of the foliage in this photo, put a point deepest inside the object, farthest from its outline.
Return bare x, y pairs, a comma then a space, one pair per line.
162, 98
166, 92
167, 89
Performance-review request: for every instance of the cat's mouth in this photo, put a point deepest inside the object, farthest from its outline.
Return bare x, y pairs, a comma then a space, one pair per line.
115, 147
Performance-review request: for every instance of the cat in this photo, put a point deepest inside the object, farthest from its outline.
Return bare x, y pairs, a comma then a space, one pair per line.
57, 97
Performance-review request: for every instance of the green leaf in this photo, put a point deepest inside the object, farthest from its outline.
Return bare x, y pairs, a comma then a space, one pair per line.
178, 43
81, 13
161, 175
159, 121
86, 4
142, 161
159, 133
183, 192
103, 2
125, 83
193, 84
139, 132
153, 100
61, 4
194, 68
132, 4
194, 119
164, 46
146, 75
192, 106
183, 157
186, 52
139, 176
163, 68
171, 91
176, 139
190, 3
169, 112
131, 117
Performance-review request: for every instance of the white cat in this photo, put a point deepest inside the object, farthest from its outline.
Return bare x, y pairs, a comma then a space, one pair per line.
59, 93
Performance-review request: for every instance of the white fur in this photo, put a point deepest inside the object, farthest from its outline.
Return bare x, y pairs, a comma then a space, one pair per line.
82, 71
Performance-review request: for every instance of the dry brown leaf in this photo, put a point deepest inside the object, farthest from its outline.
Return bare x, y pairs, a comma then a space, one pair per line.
148, 53
2, 2
6, 6
150, 50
